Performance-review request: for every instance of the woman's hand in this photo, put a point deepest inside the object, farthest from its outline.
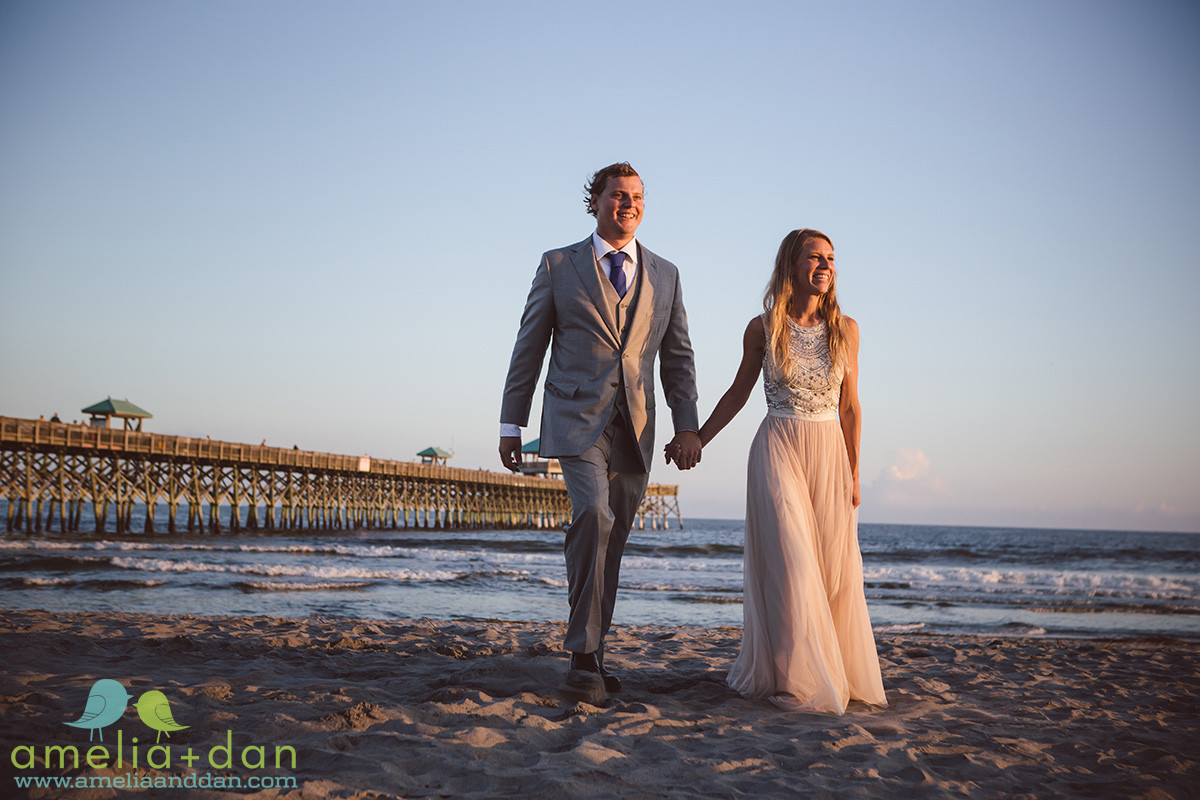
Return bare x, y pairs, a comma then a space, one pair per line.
684, 450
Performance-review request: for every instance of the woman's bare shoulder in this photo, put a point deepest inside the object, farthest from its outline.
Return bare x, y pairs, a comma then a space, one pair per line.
755, 335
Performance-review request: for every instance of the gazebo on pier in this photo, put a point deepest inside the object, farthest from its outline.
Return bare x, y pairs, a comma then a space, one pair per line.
435, 456
105, 410
534, 464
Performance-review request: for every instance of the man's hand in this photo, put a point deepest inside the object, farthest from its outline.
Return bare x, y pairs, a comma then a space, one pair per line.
684, 449
510, 452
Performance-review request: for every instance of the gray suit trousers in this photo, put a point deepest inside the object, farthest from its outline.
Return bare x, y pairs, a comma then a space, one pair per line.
606, 485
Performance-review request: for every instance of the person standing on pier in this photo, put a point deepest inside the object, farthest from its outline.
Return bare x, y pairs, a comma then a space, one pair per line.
605, 307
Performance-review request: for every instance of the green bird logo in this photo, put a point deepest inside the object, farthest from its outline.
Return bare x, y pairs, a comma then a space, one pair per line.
155, 711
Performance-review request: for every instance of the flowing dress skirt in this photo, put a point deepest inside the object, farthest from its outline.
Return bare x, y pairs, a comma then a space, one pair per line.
807, 643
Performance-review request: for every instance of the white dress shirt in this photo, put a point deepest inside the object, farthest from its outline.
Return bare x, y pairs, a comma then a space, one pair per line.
602, 248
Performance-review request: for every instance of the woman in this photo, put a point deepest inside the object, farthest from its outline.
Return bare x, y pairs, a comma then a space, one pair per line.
806, 639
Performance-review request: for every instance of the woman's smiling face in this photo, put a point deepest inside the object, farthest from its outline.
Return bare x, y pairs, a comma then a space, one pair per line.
814, 272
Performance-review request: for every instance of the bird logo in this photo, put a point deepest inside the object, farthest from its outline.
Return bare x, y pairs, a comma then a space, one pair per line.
105, 704
155, 711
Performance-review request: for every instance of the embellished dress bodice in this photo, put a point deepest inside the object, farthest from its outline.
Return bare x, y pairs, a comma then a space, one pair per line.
813, 390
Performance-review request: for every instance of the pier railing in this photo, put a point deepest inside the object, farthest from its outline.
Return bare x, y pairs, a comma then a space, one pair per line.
51, 467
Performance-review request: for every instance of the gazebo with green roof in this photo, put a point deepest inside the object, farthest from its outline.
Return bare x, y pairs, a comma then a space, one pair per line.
434, 455
533, 464
122, 409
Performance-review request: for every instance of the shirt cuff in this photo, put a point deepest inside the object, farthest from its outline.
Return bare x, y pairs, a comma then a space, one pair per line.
510, 429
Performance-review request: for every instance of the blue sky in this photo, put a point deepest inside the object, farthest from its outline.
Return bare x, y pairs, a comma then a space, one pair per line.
316, 223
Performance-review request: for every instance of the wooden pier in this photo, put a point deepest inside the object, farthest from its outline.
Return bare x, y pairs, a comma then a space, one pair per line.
50, 471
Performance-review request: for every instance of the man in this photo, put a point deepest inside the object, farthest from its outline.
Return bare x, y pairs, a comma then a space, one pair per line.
605, 307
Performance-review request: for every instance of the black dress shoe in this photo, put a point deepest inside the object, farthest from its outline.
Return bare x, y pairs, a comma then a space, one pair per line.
584, 683
612, 684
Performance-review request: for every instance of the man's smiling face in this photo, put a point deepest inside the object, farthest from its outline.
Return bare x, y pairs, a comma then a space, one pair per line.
619, 208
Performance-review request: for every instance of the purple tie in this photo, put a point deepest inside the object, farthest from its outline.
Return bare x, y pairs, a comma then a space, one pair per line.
616, 273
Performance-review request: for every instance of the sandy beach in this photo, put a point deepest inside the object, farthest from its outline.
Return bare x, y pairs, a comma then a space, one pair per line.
432, 709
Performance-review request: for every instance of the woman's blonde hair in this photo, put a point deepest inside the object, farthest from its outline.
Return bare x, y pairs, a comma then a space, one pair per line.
778, 298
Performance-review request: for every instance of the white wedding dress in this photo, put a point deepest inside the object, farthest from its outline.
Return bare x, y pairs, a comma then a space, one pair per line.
806, 641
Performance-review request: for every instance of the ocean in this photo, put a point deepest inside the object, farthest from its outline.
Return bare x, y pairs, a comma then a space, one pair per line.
918, 578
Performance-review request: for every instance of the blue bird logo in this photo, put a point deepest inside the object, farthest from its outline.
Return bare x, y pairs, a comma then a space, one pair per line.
105, 704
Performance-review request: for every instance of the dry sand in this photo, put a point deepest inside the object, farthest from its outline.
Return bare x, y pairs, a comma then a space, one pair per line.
422, 709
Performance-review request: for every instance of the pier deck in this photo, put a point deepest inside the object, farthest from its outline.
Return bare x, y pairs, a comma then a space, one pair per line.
49, 472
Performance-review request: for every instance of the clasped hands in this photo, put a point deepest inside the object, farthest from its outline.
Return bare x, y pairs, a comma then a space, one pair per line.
684, 449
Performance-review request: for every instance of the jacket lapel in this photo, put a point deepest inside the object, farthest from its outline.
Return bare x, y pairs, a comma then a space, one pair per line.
589, 277
643, 311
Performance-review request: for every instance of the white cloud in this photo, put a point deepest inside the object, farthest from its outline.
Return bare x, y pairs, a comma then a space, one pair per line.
908, 481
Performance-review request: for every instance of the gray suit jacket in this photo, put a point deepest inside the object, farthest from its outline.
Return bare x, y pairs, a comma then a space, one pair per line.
569, 312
